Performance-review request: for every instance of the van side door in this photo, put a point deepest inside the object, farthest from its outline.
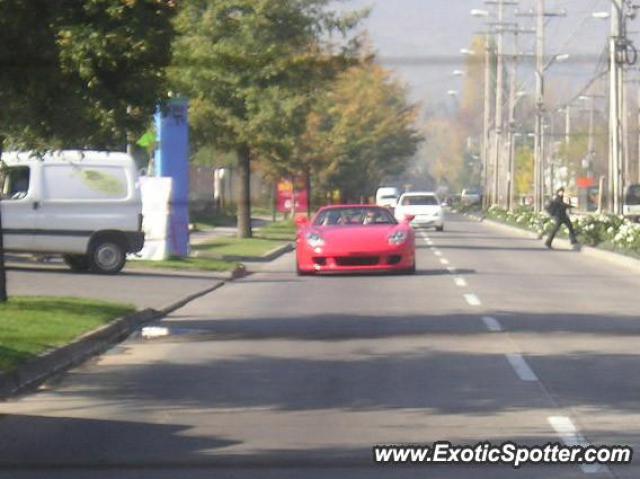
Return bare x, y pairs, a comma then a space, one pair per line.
20, 200
80, 199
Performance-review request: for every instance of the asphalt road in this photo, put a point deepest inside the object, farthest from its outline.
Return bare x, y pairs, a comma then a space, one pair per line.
143, 289
276, 376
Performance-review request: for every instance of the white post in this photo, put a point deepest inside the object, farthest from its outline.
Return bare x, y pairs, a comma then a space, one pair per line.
539, 130
487, 120
499, 107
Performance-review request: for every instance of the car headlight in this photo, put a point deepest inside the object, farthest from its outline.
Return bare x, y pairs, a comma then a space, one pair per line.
315, 240
398, 238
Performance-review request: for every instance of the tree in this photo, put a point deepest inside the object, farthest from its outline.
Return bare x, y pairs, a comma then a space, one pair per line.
80, 73
249, 67
444, 151
98, 63
361, 131
472, 95
524, 171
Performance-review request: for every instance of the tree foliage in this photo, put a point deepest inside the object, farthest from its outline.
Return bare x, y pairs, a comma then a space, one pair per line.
250, 68
444, 151
81, 73
360, 132
524, 171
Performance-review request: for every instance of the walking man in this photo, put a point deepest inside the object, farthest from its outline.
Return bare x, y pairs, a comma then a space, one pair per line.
558, 210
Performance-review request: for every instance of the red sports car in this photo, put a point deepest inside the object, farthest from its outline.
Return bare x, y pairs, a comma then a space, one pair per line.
350, 239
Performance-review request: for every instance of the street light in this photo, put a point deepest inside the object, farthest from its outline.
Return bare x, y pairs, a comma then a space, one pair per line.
452, 93
601, 15
467, 52
559, 58
457, 73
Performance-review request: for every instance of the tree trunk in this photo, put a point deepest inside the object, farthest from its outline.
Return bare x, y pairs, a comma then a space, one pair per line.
274, 202
307, 184
3, 274
293, 198
244, 198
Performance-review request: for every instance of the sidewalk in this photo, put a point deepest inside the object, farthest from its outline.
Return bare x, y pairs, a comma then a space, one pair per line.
205, 236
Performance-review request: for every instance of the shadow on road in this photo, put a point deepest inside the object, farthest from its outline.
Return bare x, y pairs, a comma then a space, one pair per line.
72, 442
417, 377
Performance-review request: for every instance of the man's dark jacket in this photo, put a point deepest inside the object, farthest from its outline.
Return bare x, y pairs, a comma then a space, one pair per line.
558, 208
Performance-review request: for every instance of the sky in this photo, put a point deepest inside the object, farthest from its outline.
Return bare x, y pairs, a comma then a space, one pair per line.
421, 40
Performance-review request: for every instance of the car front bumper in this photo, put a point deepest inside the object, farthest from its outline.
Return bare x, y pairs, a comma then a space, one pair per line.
427, 222
376, 261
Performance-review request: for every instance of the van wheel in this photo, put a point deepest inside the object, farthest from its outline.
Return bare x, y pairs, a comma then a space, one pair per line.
107, 256
77, 262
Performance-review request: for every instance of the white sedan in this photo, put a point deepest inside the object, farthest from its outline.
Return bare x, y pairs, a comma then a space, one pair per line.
425, 207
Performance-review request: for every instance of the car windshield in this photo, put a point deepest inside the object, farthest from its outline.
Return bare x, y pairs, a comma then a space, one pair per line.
354, 217
422, 200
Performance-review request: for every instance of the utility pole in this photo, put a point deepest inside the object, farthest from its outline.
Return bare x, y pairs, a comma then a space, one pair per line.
591, 153
616, 82
626, 151
539, 168
486, 127
567, 126
499, 104
511, 140
493, 146
538, 152
638, 132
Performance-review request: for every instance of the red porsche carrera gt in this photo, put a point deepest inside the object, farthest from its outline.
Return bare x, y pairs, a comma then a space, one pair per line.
349, 239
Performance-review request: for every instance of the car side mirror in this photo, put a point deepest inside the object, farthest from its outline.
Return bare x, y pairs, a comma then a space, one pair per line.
408, 218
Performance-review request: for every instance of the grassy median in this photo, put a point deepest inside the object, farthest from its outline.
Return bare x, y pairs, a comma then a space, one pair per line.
264, 240
30, 326
222, 254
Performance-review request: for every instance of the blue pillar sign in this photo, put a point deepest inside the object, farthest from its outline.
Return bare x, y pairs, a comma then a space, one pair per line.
172, 160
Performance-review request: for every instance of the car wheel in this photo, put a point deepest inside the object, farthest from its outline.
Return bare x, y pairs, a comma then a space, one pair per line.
440, 228
107, 256
77, 262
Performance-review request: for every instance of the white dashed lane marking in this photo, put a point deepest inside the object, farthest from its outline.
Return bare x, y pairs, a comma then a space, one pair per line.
444, 261
437, 253
570, 436
472, 299
521, 368
460, 282
492, 324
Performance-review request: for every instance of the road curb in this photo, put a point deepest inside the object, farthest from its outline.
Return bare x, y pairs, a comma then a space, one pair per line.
36, 371
587, 251
238, 272
265, 258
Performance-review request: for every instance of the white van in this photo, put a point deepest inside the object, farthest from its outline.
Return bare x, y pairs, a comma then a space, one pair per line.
84, 205
387, 196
